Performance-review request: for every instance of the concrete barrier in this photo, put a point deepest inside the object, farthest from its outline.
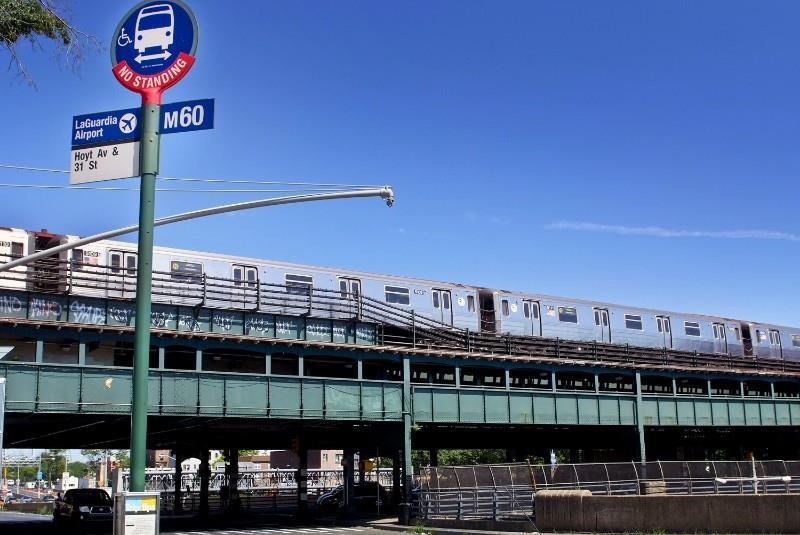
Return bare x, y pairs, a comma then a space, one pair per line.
580, 511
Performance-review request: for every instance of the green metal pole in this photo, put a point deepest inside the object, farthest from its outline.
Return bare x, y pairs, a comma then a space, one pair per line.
148, 168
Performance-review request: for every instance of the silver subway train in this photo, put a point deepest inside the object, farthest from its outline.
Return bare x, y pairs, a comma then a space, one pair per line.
458, 305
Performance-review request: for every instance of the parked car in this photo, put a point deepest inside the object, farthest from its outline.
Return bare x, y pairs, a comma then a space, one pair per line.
366, 497
81, 506
48, 498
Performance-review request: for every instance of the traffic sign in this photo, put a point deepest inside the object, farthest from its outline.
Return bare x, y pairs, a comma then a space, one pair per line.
124, 125
104, 162
39, 475
153, 46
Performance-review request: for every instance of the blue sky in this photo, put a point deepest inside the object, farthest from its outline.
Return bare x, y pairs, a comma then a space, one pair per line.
635, 152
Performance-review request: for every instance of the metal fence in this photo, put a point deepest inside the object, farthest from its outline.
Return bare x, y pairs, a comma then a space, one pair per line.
509, 490
257, 489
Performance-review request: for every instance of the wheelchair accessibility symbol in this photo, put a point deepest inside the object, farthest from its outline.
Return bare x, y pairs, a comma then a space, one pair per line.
123, 39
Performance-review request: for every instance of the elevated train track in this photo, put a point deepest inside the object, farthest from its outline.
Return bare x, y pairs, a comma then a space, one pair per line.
396, 328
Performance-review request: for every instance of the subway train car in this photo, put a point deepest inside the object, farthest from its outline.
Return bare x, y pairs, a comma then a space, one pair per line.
111, 265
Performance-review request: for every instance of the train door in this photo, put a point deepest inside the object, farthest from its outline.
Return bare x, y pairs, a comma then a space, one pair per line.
122, 274
245, 284
664, 326
602, 325
350, 290
533, 319
747, 340
775, 343
488, 317
720, 338
442, 306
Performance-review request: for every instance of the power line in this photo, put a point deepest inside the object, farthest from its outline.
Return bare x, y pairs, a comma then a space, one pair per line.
181, 190
208, 180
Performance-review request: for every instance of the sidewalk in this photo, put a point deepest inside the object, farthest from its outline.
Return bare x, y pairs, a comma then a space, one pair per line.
390, 524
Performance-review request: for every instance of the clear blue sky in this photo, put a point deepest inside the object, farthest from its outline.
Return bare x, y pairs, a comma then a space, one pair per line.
527, 143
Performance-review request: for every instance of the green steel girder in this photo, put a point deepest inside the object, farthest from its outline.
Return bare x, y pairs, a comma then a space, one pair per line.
99, 390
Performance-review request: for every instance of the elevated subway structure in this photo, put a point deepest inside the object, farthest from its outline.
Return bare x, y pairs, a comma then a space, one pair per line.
236, 365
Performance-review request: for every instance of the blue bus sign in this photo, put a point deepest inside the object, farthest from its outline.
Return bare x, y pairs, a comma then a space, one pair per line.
120, 126
154, 47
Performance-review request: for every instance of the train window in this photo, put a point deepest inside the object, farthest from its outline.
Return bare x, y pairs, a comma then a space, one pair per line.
184, 271
77, 259
761, 336
16, 249
568, 314
471, 303
130, 264
737, 333
796, 340
116, 262
244, 273
505, 307
535, 310
343, 288
633, 321
692, 328
596, 317
435, 296
298, 284
397, 295
446, 300
659, 325
774, 337
526, 309
719, 331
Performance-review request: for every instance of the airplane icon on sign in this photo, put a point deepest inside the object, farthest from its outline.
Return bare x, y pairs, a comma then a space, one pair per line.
127, 123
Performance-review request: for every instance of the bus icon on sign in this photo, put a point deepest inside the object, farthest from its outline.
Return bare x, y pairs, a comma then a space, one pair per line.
155, 27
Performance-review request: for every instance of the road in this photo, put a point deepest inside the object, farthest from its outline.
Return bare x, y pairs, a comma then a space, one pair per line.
12, 523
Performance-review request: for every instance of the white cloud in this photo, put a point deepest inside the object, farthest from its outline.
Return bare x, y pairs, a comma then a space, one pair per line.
660, 232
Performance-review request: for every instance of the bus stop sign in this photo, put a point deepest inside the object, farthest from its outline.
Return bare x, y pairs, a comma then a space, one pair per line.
154, 47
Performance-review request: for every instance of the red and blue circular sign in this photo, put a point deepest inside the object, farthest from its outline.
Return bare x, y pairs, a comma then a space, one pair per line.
154, 47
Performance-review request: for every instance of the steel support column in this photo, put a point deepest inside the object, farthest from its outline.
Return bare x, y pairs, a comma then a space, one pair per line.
348, 477
640, 425
177, 495
205, 476
404, 511
302, 479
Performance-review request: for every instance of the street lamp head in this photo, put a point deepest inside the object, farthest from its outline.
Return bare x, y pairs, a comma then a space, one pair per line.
388, 194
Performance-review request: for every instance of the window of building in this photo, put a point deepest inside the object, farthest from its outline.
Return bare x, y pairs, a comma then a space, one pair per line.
299, 284
471, 303
397, 295
633, 321
506, 311
692, 328
568, 314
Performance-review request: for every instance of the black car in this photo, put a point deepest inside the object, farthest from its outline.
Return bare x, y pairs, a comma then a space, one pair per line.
83, 506
366, 497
